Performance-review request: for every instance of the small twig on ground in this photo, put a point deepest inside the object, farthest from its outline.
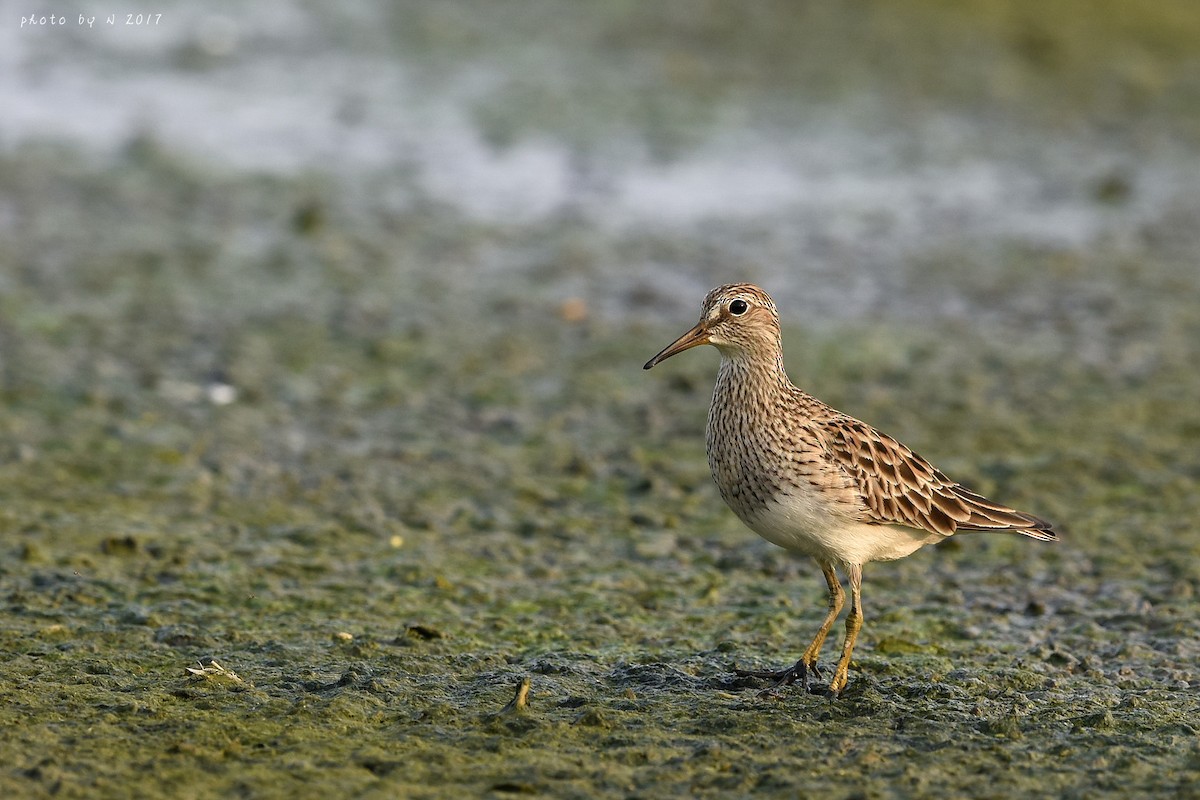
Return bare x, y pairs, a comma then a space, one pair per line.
520, 699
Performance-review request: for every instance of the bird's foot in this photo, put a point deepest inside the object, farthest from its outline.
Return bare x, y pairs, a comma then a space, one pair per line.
826, 691
798, 672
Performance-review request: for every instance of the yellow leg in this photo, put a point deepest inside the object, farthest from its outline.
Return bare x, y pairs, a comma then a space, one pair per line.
837, 598
854, 621
807, 665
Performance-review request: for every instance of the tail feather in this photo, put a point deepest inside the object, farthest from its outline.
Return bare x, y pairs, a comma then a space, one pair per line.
989, 516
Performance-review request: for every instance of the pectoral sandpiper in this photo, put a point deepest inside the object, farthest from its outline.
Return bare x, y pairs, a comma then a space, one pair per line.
814, 480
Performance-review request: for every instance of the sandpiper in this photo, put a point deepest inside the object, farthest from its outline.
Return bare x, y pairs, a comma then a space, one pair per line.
816, 481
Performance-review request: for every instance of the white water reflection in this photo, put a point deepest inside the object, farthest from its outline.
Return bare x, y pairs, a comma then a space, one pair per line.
271, 89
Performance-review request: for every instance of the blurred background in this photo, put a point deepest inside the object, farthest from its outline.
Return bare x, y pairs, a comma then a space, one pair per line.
321, 333
859, 159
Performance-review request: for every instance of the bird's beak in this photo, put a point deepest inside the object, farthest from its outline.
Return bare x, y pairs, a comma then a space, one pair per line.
696, 336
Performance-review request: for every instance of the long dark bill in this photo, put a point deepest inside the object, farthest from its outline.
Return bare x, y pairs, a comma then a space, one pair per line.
696, 336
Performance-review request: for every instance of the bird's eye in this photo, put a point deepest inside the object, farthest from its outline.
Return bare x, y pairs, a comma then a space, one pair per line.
738, 307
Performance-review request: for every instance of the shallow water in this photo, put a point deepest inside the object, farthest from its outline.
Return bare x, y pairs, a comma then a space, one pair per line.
320, 410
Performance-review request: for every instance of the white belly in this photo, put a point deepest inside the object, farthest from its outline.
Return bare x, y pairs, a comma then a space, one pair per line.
801, 524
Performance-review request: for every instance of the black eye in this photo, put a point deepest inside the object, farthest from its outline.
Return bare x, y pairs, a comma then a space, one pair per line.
738, 307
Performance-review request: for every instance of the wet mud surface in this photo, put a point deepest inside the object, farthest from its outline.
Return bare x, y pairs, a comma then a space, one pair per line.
304, 472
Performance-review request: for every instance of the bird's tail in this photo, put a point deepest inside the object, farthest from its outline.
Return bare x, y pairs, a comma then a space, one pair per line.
989, 516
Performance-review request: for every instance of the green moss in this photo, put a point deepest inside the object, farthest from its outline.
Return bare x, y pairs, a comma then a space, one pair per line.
428, 485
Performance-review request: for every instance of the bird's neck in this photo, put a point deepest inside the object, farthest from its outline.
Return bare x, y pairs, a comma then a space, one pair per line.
751, 378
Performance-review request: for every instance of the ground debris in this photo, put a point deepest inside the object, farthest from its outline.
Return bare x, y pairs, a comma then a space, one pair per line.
424, 632
210, 669
519, 701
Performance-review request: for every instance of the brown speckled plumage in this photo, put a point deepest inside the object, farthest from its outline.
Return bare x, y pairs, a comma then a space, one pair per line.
814, 480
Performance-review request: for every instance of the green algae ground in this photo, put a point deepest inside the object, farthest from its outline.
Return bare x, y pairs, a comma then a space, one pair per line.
298, 483
298, 518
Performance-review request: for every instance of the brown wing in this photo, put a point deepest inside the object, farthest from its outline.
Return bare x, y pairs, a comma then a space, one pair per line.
900, 487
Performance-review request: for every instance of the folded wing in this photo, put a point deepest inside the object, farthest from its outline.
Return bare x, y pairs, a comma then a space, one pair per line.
898, 487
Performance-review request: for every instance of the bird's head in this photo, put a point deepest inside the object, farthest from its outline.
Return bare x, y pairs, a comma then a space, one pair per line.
739, 319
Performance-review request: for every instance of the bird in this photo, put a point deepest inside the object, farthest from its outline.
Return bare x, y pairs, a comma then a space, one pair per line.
816, 481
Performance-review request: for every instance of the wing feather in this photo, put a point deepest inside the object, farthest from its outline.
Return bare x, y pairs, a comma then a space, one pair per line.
899, 487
